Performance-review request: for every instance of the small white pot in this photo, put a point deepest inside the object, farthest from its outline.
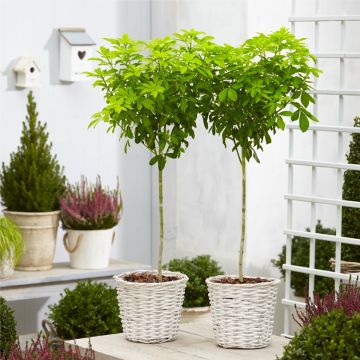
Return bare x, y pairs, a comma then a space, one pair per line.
89, 249
243, 315
150, 312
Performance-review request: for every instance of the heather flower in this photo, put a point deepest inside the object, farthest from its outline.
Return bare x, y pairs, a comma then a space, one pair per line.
87, 206
347, 299
42, 349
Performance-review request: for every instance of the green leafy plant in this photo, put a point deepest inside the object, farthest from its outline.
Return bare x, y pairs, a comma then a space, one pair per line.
11, 242
33, 180
300, 250
250, 93
91, 309
351, 191
151, 91
7, 327
331, 336
87, 206
198, 269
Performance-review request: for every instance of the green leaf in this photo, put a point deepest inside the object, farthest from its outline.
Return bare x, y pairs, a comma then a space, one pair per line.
304, 122
223, 94
154, 160
232, 94
305, 99
280, 123
295, 115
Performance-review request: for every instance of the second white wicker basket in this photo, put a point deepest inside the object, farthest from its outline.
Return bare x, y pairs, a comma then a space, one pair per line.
243, 315
150, 312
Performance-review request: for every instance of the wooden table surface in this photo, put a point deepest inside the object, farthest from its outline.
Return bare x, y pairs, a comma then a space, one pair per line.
195, 341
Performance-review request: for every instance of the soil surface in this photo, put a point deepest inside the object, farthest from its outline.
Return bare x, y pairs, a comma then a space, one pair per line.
148, 278
231, 280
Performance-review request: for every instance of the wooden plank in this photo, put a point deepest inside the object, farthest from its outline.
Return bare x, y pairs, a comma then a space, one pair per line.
195, 341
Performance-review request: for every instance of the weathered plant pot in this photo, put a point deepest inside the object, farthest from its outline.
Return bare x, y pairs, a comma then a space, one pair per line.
89, 249
242, 315
6, 267
39, 232
150, 312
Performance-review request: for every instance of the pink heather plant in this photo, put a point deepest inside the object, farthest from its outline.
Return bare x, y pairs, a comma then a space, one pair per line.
90, 207
41, 349
347, 299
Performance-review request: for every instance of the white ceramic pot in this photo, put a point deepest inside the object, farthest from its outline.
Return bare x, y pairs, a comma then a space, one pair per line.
39, 232
89, 249
150, 312
243, 315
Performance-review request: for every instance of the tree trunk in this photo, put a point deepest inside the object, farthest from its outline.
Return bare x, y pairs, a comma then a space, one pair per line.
161, 217
243, 217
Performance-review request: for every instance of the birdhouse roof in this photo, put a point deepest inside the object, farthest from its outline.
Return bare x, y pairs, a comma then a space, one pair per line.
76, 36
24, 63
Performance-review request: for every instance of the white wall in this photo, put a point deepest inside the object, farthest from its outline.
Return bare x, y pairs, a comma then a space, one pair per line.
30, 28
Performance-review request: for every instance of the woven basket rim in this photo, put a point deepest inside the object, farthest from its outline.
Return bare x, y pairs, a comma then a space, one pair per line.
272, 281
182, 278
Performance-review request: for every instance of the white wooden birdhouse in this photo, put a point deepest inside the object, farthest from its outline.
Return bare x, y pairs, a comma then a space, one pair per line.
27, 73
76, 47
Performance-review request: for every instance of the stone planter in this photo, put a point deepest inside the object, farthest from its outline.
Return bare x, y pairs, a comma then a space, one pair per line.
39, 232
89, 249
243, 315
150, 312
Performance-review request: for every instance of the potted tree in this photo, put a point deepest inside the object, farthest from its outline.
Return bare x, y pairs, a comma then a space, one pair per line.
89, 214
11, 246
29, 188
259, 83
151, 96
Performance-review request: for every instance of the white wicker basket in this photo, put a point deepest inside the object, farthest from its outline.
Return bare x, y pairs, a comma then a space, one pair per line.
150, 312
243, 315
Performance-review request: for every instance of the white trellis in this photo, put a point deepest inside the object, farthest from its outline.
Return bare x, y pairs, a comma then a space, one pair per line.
315, 163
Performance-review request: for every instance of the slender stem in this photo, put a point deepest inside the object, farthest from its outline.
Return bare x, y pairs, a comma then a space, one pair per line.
243, 213
161, 215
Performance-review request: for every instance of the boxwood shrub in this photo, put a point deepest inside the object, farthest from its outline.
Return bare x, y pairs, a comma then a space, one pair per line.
91, 309
324, 251
7, 328
198, 270
328, 337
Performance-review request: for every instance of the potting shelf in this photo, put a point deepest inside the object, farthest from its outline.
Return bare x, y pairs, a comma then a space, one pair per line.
195, 341
24, 285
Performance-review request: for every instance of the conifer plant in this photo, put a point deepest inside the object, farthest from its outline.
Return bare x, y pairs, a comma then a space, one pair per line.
33, 180
351, 191
29, 188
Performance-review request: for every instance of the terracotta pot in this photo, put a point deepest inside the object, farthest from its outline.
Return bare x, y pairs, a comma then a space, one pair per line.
39, 232
89, 249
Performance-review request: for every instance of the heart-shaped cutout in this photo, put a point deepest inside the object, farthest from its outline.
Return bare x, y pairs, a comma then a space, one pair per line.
81, 54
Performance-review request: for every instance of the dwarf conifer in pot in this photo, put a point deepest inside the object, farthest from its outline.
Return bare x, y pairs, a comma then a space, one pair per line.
29, 189
151, 91
255, 86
